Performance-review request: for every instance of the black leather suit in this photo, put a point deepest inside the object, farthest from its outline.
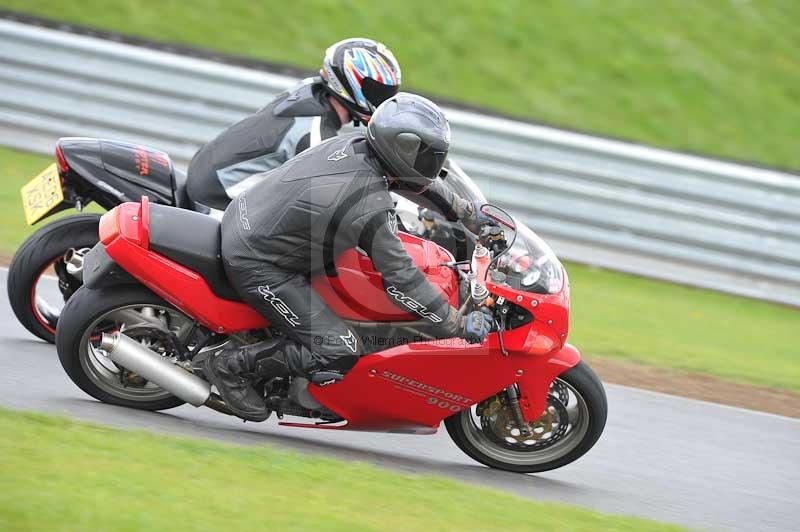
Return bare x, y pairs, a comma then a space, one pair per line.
293, 121
296, 220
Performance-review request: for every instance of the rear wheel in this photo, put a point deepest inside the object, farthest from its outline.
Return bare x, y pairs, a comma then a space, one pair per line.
133, 310
36, 305
570, 425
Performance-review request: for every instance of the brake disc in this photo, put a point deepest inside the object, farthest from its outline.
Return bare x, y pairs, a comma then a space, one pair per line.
560, 391
497, 422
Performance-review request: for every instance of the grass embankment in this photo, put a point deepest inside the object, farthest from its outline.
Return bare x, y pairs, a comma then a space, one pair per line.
16, 169
720, 76
678, 327
64, 475
614, 314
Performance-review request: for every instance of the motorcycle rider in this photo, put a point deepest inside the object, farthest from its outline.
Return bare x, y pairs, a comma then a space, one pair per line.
295, 221
356, 76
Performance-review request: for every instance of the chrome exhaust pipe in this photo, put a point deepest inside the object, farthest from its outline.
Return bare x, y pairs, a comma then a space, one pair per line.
74, 261
133, 356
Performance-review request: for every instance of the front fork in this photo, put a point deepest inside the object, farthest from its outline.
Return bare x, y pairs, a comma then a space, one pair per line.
512, 394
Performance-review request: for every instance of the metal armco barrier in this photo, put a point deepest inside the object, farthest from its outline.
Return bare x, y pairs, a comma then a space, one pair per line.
627, 207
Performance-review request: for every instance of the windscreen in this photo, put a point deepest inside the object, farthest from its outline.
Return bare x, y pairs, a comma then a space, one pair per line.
531, 265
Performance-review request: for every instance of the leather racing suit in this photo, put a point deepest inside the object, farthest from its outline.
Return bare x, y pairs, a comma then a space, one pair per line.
292, 224
293, 121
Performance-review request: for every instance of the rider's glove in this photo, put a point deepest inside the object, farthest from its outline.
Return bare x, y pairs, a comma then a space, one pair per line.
467, 213
477, 325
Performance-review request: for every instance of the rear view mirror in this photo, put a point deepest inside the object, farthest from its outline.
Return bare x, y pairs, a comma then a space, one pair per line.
498, 215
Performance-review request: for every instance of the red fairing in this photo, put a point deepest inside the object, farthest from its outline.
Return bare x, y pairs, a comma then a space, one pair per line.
550, 327
357, 292
414, 387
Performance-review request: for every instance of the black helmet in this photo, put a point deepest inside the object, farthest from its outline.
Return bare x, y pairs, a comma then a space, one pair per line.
411, 137
361, 74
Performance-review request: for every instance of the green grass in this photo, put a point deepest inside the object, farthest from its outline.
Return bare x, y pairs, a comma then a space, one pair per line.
64, 475
673, 326
717, 76
16, 169
613, 314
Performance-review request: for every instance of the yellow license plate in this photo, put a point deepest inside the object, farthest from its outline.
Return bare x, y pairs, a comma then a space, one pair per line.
42, 194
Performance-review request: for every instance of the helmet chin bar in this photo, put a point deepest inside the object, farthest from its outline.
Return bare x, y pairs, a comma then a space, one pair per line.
359, 118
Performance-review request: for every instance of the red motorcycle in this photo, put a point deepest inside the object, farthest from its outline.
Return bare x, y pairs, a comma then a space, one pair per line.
156, 303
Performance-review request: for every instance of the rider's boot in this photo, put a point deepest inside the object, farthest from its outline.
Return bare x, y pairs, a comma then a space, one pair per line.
235, 370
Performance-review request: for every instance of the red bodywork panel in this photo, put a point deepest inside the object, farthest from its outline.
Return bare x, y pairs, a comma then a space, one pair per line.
414, 387
125, 233
407, 388
357, 292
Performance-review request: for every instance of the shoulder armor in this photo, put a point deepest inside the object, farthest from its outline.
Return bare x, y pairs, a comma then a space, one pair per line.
334, 156
302, 100
376, 196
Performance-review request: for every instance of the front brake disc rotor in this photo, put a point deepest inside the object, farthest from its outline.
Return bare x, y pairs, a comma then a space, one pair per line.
559, 390
497, 422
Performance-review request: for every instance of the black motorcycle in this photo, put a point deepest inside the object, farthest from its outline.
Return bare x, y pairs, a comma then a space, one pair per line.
86, 170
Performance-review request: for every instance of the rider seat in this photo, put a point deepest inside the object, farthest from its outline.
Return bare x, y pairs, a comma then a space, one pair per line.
192, 240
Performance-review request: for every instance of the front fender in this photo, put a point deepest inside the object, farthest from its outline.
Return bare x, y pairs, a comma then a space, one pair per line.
537, 376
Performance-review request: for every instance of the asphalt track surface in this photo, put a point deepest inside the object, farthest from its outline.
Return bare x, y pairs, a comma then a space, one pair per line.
676, 460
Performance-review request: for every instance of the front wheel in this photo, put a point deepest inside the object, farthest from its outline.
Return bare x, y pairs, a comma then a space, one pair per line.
571, 424
36, 305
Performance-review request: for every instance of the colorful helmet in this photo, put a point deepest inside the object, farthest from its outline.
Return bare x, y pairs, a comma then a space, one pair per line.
361, 74
411, 138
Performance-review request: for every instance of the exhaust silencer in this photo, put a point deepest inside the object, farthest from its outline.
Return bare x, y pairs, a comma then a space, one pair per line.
133, 356
74, 261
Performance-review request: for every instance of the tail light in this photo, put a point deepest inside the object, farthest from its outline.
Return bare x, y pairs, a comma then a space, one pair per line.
63, 167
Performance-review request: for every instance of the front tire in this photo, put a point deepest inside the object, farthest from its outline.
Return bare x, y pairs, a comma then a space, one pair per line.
85, 313
34, 257
576, 396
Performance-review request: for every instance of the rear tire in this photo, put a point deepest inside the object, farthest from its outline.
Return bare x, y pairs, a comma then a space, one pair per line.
82, 310
581, 380
34, 256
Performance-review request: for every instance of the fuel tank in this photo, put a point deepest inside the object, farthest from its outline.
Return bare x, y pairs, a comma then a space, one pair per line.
112, 172
357, 292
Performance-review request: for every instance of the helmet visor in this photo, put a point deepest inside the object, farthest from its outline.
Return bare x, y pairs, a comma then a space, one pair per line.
429, 161
376, 92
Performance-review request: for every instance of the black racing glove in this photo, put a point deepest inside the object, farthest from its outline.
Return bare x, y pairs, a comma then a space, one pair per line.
477, 325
